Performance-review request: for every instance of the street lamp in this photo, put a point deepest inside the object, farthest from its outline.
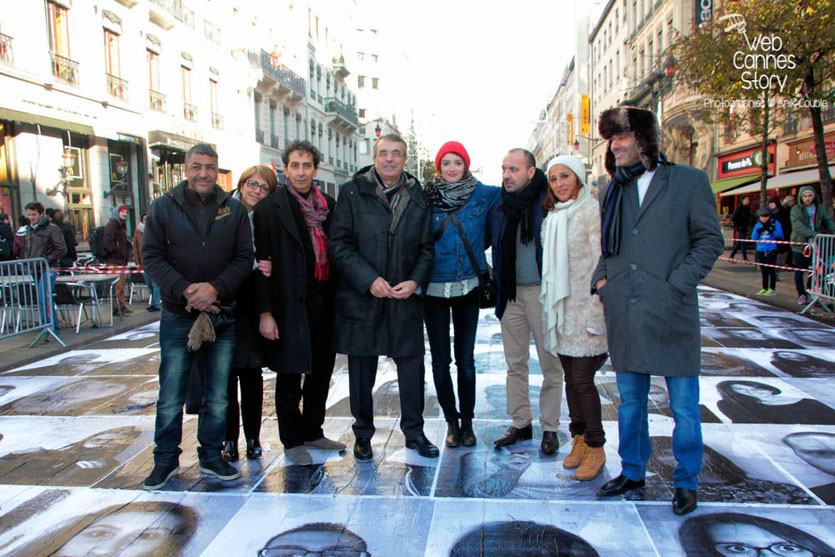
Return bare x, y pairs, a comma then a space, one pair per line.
67, 162
378, 130
121, 171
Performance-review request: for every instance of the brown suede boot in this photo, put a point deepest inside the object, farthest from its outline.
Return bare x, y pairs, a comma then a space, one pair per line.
578, 451
592, 464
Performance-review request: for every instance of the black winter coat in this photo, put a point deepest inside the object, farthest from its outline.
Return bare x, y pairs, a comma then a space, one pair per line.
363, 246
175, 254
284, 293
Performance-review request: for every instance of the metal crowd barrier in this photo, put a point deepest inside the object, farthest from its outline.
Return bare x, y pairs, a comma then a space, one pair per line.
26, 304
822, 287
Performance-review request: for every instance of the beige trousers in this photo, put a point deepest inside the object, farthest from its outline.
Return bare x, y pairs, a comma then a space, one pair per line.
521, 318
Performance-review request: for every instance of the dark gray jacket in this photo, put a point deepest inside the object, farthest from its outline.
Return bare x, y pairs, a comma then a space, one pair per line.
366, 242
175, 254
668, 245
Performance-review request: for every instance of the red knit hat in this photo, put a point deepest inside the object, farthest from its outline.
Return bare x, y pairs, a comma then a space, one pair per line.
452, 147
122, 208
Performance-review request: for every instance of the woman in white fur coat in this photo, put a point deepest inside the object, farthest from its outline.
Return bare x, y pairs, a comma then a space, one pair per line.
575, 330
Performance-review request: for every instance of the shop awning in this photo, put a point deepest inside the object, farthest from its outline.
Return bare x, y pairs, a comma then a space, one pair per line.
26, 118
728, 183
159, 138
788, 180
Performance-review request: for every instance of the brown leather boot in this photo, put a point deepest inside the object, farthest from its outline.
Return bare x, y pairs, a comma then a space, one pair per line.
578, 451
592, 464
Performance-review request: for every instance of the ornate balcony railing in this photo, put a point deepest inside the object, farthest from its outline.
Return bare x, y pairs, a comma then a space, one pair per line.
333, 105
189, 112
274, 141
64, 69
217, 121
156, 100
259, 136
283, 75
117, 87
6, 51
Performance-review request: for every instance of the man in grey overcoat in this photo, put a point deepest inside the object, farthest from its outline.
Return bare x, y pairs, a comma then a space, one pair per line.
660, 237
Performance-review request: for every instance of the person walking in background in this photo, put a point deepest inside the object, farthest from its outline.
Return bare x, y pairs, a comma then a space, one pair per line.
381, 244
785, 220
453, 287
154, 299
58, 219
6, 238
44, 239
255, 183
660, 237
575, 330
742, 220
296, 303
809, 218
766, 230
116, 243
515, 226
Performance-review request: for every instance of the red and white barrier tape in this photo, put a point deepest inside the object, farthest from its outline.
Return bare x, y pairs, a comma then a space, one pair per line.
747, 262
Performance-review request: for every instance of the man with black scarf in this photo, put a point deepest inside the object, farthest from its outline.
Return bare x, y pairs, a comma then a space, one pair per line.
514, 231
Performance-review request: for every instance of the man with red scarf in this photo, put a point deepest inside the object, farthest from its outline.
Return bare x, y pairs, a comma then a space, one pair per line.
297, 300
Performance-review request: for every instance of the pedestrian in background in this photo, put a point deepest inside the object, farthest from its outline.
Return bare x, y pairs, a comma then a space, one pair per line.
255, 183
116, 243
808, 218
44, 239
154, 299
742, 220
297, 301
70, 241
453, 287
515, 226
765, 231
6, 238
575, 330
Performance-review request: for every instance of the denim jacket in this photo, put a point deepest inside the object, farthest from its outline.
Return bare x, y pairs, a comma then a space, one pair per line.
451, 260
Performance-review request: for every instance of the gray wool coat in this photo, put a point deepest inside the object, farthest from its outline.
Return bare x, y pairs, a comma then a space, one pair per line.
668, 245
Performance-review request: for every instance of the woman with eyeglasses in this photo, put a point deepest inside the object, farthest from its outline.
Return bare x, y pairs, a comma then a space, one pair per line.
255, 184
453, 287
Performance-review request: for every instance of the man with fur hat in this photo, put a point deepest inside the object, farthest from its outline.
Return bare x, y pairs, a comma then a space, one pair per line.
116, 243
808, 219
515, 227
660, 237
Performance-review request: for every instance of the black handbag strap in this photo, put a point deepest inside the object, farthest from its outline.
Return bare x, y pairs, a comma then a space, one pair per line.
443, 227
467, 245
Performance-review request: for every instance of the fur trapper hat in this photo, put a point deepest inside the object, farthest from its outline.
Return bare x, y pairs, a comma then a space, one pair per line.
643, 123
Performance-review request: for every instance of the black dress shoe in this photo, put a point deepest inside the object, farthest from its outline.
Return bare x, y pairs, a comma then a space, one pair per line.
619, 486
514, 434
253, 449
230, 451
362, 449
423, 446
684, 500
453, 434
550, 443
467, 434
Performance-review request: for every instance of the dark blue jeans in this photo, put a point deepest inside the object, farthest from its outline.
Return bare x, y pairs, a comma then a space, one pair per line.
436, 312
154, 298
633, 427
174, 367
800, 262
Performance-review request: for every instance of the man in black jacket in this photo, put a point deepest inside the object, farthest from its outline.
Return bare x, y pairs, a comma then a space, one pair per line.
296, 303
741, 219
198, 248
69, 238
381, 245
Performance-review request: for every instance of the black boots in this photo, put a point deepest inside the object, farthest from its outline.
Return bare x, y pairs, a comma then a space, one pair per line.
453, 434
467, 435
253, 449
230, 451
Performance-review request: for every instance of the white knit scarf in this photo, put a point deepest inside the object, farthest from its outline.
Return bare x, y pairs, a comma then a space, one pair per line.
555, 280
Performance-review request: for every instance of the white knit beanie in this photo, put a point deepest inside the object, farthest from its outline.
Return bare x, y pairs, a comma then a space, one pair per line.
572, 162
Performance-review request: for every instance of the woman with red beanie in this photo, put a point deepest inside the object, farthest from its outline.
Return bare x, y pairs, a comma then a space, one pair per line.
460, 204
